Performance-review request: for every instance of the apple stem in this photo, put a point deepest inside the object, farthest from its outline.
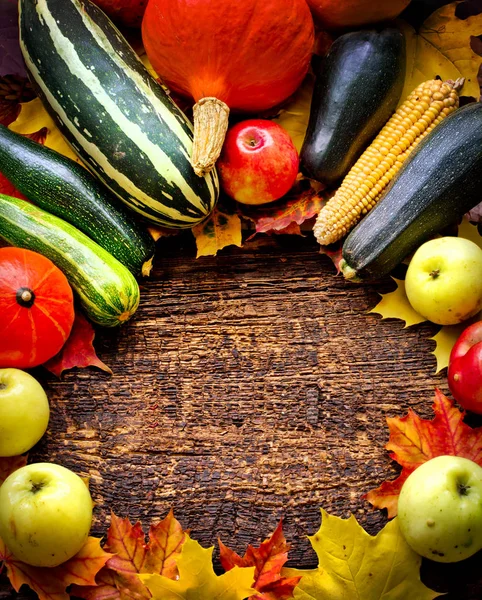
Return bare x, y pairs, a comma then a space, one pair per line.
435, 273
463, 489
37, 486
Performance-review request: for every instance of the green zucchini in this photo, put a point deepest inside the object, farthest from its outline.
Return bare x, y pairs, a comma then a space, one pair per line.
436, 186
117, 118
62, 187
358, 85
107, 290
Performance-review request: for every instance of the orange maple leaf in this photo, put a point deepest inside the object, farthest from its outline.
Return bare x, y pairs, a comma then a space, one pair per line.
78, 350
414, 441
133, 556
10, 464
302, 203
51, 583
268, 560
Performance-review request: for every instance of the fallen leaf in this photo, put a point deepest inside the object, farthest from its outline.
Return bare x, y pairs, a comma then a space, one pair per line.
354, 564
295, 115
470, 232
301, 204
132, 555
10, 464
444, 342
452, 37
413, 441
268, 560
78, 350
222, 228
395, 305
197, 579
475, 215
14, 90
334, 253
51, 583
33, 117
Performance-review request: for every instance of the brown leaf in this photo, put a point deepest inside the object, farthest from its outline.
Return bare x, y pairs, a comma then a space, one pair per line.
303, 203
334, 253
78, 350
132, 556
268, 561
414, 441
222, 228
14, 89
10, 464
51, 583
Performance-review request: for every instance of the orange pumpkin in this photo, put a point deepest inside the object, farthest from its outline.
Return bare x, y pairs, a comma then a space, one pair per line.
36, 308
245, 55
340, 14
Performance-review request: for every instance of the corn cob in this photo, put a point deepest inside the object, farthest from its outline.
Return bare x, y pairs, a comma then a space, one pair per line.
364, 185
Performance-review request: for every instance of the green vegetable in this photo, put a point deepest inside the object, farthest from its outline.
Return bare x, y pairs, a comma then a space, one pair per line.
64, 188
436, 186
107, 290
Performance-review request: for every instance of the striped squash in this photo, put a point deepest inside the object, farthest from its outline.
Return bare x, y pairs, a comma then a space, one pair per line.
116, 117
107, 290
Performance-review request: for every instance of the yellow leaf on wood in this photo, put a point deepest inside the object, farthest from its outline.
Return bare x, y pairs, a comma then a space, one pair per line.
354, 564
32, 118
451, 36
222, 228
395, 305
445, 340
197, 580
470, 232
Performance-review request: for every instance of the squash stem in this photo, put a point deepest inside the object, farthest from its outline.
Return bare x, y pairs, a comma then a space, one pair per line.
211, 118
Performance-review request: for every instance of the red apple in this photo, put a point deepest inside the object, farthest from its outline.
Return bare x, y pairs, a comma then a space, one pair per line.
259, 162
465, 369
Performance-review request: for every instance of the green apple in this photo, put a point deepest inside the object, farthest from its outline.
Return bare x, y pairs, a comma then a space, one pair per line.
24, 412
440, 509
45, 514
444, 280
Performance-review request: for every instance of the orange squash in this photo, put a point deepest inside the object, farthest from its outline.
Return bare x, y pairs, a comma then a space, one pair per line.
244, 55
340, 14
36, 308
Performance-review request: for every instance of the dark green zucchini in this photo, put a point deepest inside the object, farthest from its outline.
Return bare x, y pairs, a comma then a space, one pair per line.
62, 187
107, 290
358, 86
439, 183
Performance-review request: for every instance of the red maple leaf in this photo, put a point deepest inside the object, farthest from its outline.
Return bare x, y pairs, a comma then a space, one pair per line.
132, 555
334, 253
78, 350
268, 560
10, 464
50, 583
414, 441
303, 203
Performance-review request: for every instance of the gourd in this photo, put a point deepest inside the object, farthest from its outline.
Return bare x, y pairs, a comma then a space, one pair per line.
36, 307
243, 55
117, 118
436, 186
337, 14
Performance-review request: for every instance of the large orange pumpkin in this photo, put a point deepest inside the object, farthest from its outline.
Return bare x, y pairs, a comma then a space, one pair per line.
245, 55
36, 308
339, 14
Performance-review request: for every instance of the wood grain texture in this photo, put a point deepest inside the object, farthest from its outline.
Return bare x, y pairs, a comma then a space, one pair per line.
248, 387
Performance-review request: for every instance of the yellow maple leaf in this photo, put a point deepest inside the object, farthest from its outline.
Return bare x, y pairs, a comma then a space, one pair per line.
197, 580
354, 564
451, 36
222, 228
34, 117
395, 305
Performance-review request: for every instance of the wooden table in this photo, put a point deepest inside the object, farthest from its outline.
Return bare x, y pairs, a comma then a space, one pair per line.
250, 386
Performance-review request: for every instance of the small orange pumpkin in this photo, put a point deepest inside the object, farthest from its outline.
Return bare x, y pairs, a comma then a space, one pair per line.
36, 308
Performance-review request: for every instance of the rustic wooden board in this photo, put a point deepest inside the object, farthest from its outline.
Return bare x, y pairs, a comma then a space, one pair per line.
249, 387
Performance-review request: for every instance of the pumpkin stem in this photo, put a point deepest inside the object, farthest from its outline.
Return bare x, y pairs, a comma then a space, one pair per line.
211, 117
25, 297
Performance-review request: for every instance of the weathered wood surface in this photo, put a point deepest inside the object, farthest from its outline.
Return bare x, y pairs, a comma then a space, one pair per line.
249, 387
